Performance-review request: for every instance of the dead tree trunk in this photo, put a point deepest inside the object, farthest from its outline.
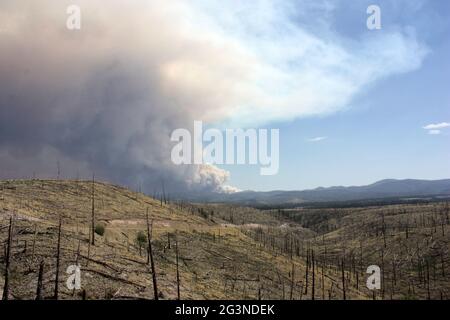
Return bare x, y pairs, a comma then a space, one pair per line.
7, 260
307, 269
58, 254
39, 283
344, 296
168, 240
150, 253
383, 229
323, 283
428, 280
34, 242
178, 273
77, 260
93, 211
292, 283
313, 276
89, 248
382, 274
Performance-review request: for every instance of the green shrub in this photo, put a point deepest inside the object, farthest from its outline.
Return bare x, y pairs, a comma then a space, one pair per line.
141, 238
100, 229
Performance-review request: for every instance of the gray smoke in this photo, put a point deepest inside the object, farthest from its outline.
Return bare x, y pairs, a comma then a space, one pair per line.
95, 100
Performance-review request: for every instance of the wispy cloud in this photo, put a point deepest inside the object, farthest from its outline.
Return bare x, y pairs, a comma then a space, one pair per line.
435, 126
317, 139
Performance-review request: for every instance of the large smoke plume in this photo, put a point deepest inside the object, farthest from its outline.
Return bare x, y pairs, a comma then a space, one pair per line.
106, 98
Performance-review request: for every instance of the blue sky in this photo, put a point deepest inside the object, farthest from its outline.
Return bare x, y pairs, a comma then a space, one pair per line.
379, 134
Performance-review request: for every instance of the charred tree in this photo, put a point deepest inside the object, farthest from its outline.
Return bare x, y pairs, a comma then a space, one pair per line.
93, 211
292, 283
344, 295
39, 282
58, 255
313, 276
150, 253
8, 260
178, 273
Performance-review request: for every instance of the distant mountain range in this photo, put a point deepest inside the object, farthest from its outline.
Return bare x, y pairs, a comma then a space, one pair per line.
389, 188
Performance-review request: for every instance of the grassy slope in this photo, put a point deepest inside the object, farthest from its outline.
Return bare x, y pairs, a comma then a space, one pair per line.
217, 258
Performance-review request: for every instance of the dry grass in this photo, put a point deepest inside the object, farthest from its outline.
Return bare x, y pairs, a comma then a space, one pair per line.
218, 259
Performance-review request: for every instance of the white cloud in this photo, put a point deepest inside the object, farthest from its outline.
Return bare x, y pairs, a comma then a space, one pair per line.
288, 68
317, 139
435, 126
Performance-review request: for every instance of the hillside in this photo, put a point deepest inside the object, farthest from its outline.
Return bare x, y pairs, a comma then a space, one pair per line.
225, 251
217, 259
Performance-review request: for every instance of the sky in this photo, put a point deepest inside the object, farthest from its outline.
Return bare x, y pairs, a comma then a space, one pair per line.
352, 105
379, 134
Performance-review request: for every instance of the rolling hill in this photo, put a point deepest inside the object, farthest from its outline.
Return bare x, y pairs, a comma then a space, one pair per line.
217, 259
225, 251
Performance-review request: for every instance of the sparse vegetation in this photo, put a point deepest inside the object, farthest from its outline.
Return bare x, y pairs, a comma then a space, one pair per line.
218, 251
100, 229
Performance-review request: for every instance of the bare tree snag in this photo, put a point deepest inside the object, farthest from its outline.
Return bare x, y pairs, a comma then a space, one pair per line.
428, 280
34, 242
307, 271
58, 254
89, 248
178, 273
168, 240
383, 228
313, 276
8, 260
93, 211
150, 253
292, 282
344, 295
39, 282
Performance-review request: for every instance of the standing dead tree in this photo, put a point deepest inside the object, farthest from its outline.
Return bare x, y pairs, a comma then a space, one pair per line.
313, 276
39, 283
307, 271
34, 242
58, 255
428, 279
292, 282
93, 211
150, 253
178, 273
344, 296
89, 248
383, 228
8, 260
77, 260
